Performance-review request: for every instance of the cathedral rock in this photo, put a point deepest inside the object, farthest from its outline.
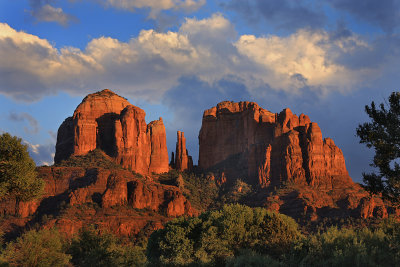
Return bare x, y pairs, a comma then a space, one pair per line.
245, 141
107, 121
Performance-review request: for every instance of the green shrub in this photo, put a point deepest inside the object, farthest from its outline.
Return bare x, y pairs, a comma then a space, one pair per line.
37, 248
93, 248
250, 258
345, 247
215, 236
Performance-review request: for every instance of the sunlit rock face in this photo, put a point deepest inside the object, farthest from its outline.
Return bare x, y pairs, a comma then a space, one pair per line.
107, 121
245, 141
182, 159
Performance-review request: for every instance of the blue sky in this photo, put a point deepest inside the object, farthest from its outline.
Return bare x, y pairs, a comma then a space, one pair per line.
175, 58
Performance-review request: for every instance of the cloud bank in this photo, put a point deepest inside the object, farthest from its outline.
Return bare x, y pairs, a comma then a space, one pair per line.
153, 62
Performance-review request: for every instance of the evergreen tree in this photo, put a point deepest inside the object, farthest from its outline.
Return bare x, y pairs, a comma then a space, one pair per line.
383, 134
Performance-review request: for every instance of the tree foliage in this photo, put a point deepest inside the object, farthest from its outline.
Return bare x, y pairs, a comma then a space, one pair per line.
93, 248
18, 177
383, 134
215, 236
37, 248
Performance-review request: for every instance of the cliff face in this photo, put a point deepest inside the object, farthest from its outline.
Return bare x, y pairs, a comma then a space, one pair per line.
246, 141
109, 122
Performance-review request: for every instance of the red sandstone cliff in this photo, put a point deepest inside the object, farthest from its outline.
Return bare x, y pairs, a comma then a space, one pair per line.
109, 122
246, 141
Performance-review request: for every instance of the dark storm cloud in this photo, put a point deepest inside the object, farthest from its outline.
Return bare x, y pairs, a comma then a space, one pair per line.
382, 13
284, 14
20, 117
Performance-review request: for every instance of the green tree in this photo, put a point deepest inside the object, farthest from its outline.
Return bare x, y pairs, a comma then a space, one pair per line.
383, 134
215, 236
18, 177
37, 248
345, 247
93, 248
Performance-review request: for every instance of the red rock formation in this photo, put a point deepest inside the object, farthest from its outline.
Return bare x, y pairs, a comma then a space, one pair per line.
116, 192
251, 143
161, 198
109, 122
182, 161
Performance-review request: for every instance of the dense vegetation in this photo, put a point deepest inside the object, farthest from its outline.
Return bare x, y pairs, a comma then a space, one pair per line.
236, 235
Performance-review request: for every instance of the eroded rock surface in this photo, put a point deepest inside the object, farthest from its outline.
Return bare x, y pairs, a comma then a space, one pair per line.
109, 122
248, 142
182, 159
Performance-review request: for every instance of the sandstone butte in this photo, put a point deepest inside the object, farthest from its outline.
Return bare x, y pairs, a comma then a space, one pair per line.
270, 150
109, 122
246, 141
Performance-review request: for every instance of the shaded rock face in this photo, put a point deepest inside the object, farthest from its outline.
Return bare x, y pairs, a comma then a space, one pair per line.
248, 142
182, 160
109, 122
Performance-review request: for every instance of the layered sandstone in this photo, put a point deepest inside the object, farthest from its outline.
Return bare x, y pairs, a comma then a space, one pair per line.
182, 159
246, 141
109, 122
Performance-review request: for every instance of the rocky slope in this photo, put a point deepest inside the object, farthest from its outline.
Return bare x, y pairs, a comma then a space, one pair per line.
75, 196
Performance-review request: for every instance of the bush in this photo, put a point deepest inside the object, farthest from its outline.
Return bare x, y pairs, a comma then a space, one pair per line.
92, 248
37, 248
214, 236
346, 247
253, 259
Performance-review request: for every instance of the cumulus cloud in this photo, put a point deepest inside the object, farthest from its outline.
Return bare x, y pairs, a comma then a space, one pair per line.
41, 10
149, 65
23, 116
284, 14
303, 59
156, 6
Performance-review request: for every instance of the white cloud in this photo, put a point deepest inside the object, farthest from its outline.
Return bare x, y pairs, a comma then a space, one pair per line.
304, 58
42, 154
152, 63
